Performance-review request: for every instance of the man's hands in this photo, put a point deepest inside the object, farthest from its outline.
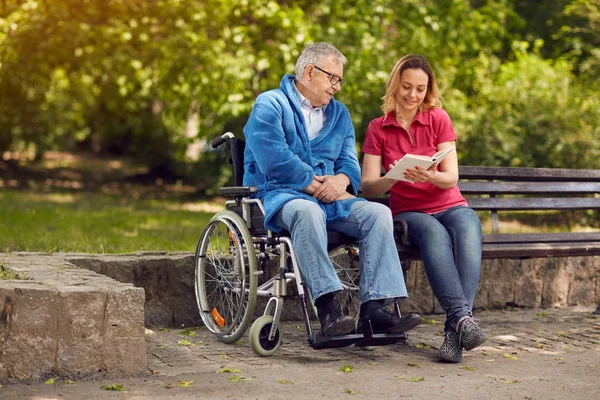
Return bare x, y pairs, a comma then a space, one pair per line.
329, 188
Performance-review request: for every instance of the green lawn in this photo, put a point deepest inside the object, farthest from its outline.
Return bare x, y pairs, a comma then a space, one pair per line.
98, 223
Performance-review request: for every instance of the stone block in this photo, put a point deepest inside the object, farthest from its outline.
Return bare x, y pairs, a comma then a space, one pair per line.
585, 280
80, 329
28, 329
125, 356
124, 313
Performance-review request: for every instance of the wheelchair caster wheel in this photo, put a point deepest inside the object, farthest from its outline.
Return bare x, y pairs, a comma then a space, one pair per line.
259, 337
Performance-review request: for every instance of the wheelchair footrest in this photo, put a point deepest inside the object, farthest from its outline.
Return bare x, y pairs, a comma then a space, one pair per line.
318, 341
381, 339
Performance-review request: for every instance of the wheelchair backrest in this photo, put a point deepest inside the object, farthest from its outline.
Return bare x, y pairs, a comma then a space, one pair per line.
236, 159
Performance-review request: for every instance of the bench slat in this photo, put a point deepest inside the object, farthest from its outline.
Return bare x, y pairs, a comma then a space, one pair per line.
557, 237
535, 250
564, 203
529, 174
547, 188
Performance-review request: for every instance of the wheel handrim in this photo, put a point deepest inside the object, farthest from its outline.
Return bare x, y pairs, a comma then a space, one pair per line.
221, 269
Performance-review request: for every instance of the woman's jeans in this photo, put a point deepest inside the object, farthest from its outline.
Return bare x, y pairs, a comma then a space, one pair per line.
371, 223
450, 244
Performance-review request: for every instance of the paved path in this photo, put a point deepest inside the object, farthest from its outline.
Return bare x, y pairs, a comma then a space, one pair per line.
541, 354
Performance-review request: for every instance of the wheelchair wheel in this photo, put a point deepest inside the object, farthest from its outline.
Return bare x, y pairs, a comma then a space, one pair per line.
225, 279
259, 337
345, 262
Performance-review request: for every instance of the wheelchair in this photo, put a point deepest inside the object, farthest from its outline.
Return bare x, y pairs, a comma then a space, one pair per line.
232, 254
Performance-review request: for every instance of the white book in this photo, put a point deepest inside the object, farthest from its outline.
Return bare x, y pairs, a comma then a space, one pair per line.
410, 161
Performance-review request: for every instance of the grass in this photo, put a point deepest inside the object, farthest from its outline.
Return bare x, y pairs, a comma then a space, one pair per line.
83, 203
98, 223
7, 273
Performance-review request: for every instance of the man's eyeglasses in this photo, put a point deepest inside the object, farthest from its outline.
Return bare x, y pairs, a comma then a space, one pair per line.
333, 78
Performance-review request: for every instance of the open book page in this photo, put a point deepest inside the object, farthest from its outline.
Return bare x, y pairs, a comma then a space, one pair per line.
410, 161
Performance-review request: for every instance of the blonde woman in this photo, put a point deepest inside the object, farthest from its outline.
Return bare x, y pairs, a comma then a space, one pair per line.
441, 225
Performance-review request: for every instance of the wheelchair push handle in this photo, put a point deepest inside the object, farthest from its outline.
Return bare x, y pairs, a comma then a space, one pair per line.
219, 140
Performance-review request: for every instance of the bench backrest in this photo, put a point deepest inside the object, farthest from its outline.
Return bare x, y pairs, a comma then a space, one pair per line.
516, 188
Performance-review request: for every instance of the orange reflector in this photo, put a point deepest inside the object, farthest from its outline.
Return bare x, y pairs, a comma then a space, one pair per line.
217, 317
232, 237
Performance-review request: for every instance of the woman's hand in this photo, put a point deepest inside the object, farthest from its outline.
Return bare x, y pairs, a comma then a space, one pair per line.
420, 175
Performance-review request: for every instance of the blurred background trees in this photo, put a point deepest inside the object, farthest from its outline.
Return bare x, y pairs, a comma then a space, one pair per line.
157, 79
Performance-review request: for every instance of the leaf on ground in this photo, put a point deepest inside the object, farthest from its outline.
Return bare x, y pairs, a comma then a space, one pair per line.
155, 372
164, 329
506, 355
417, 379
49, 381
346, 368
239, 343
412, 365
149, 332
185, 342
350, 391
68, 382
490, 360
229, 370
285, 382
422, 346
185, 384
464, 367
540, 345
542, 314
511, 381
483, 353
559, 358
400, 377
222, 355
114, 386
236, 378
431, 322
187, 332
372, 363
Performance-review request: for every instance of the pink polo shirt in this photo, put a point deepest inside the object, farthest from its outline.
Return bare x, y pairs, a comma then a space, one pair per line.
386, 138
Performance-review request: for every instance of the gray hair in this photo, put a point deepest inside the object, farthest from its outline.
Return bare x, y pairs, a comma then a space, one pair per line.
315, 54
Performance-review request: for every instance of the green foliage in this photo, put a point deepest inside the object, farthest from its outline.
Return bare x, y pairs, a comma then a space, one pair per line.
534, 113
158, 79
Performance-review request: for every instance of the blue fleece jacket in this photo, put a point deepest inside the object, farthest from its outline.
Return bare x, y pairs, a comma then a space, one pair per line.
282, 161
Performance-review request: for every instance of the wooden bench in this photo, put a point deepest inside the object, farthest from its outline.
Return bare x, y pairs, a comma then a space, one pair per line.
574, 192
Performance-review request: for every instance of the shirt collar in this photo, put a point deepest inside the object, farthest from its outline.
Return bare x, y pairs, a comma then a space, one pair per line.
421, 117
304, 102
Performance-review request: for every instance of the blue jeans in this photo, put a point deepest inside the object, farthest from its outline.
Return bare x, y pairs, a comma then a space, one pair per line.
450, 244
371, 223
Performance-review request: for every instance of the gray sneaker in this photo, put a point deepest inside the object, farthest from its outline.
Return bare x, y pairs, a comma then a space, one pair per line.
470, 334
451, 349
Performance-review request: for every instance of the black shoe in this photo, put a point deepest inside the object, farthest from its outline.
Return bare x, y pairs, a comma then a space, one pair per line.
385, 321
335, 324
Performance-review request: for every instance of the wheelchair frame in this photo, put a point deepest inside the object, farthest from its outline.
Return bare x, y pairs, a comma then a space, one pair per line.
227, 271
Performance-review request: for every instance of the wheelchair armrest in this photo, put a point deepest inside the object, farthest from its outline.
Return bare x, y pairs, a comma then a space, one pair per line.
401, 232
233, 191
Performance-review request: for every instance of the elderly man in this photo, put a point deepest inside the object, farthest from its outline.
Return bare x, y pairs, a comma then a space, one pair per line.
300, 152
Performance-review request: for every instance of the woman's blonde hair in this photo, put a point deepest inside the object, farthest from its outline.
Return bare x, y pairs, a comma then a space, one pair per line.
411, 61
